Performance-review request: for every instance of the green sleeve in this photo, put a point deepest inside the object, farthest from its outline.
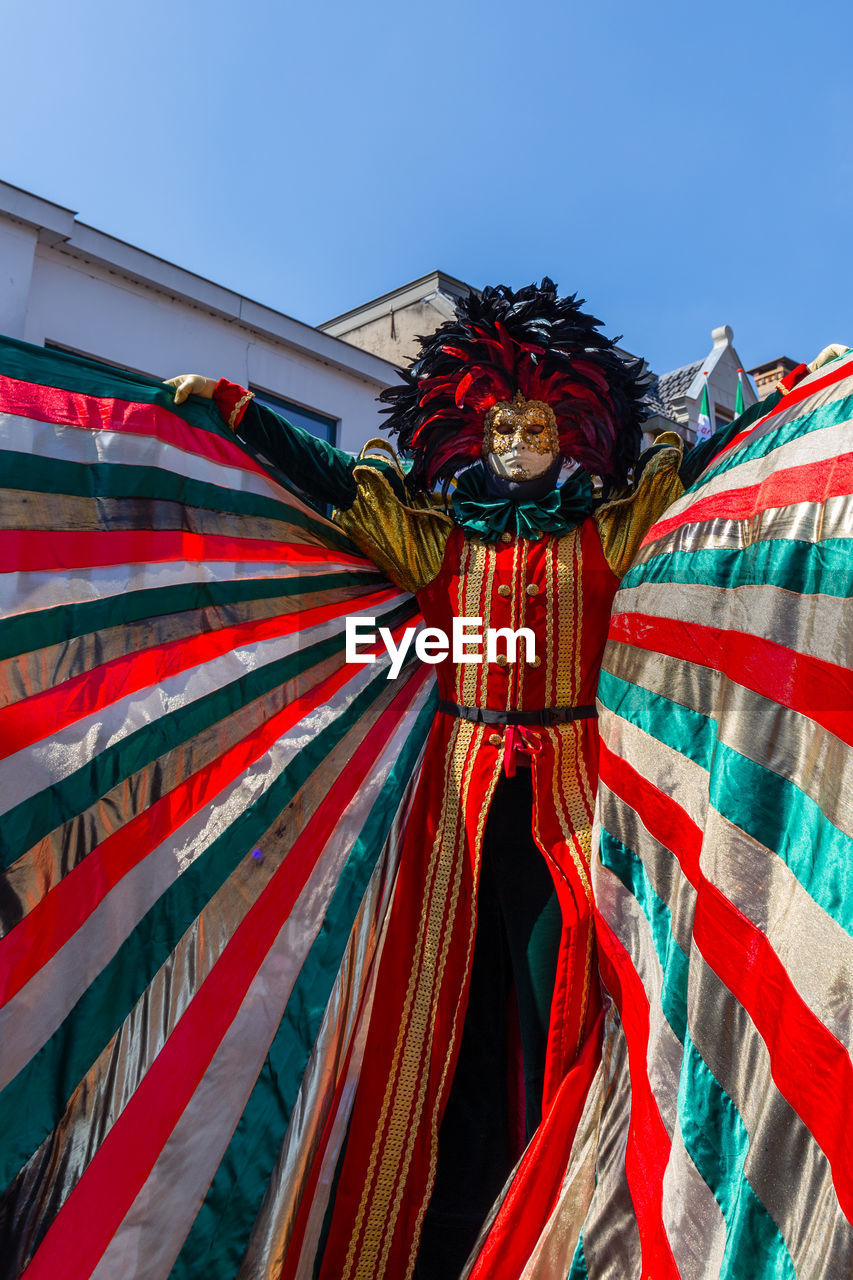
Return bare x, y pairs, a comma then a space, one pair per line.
316, 470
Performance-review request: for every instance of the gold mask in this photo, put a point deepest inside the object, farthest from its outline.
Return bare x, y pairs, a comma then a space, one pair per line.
520, 439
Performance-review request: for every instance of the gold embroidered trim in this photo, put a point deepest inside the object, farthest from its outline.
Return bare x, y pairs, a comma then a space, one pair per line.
568, 626
238, 409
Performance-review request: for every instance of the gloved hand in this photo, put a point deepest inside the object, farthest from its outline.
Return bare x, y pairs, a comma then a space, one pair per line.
829, 353
192, 384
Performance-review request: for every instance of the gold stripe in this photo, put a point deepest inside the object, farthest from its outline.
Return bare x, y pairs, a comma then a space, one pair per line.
550, 611
568, 624
74, 513
481, 671
517, 677
568, 802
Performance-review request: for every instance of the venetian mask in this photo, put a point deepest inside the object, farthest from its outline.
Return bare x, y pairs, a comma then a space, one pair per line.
520, 440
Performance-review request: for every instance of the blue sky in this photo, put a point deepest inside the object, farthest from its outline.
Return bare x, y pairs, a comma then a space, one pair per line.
681, 166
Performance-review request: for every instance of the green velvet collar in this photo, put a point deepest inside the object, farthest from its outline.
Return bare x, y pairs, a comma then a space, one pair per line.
486, 515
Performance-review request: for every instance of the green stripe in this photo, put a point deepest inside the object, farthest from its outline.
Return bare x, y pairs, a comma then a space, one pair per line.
625, 864
776, 813
804, 567
220, 1234
28, 632
34, 1102
91, 378
46, 367
119, 480
685, 730
32, 819
835, 414
717, 1142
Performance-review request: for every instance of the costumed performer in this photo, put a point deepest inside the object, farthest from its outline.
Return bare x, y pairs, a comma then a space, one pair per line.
519, 402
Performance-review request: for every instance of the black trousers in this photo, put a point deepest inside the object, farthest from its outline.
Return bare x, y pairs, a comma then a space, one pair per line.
516, 945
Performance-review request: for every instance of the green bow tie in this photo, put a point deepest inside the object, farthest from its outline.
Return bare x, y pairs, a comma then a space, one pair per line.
481, 513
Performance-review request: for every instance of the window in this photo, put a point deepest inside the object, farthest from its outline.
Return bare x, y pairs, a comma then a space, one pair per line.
323, 428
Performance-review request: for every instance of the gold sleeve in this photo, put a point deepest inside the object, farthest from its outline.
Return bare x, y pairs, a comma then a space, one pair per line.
406, 540
623, 523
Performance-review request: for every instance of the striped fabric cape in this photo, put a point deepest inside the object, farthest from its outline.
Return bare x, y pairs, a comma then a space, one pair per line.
201, 806
724, 878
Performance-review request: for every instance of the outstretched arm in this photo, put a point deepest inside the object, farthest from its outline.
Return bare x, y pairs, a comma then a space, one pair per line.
403, 534
321, 473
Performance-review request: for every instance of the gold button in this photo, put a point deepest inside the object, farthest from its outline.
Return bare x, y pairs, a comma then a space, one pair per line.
534, 662
496, 740
506, 537
504, 589
532, 589
501, 659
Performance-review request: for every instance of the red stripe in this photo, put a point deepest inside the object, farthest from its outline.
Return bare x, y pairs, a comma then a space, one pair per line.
29, 551
94, 413
811, 1068
57, 916
821, 690
94, 1210
810, 482
44, 714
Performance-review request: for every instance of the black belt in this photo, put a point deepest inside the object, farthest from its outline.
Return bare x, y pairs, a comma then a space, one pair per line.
547, 715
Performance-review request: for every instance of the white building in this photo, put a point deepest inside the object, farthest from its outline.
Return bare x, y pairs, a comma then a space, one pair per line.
69, 286
63, 284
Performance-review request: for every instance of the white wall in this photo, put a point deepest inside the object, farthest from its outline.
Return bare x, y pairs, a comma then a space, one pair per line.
95, 295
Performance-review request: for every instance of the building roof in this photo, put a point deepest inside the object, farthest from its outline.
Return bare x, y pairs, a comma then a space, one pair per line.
437, 286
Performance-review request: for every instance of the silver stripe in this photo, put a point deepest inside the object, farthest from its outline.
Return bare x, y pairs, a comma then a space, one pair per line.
32, 769
693, 1219
665, 768
801, 522
768, 893
786, 1168
154, 1229
84, 445
553, 1251
611, 1239
659, 863
628, 921
817, 625
58, 985
25, 592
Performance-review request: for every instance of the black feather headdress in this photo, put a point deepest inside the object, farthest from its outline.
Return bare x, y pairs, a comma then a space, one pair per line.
528, 341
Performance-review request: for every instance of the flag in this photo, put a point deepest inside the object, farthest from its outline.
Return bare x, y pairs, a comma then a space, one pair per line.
739, 396
705, 425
